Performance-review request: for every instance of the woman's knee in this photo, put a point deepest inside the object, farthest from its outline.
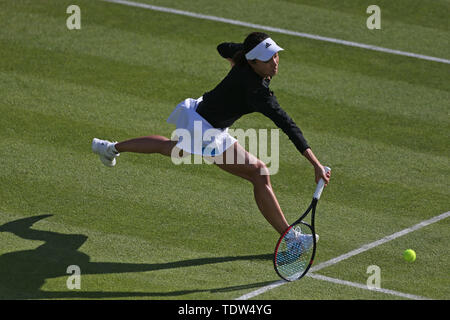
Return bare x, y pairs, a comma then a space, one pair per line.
259, 173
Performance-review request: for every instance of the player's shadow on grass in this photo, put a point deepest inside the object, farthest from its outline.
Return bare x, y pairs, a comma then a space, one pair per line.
23, 273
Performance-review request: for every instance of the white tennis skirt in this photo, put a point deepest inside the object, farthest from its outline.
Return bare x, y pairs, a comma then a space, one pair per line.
196, 135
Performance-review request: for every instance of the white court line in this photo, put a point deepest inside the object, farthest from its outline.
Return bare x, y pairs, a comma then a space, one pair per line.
333, 280
277, 30
364, 286
261, 290
380, 242
348, 255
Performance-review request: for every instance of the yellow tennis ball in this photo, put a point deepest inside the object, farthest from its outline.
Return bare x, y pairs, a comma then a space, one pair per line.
409, 255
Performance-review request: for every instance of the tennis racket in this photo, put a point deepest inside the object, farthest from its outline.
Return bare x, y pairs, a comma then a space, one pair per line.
296, 248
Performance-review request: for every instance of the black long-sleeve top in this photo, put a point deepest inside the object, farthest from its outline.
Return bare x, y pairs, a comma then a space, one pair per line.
242, 92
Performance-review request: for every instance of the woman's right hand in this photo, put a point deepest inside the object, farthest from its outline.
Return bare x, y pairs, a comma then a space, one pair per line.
320, 174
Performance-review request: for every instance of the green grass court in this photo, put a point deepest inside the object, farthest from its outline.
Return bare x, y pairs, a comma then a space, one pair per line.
148, 229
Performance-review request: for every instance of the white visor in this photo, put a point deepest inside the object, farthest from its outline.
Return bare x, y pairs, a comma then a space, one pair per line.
264, 50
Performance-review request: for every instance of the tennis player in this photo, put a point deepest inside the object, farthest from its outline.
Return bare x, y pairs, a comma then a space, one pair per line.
244, 90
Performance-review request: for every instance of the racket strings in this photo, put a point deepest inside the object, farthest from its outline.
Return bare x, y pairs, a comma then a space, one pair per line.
294, 253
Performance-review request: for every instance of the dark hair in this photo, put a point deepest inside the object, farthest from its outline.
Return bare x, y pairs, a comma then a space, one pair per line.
252, 40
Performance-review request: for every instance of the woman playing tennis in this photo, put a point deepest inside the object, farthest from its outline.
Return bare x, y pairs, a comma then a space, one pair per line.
244, 90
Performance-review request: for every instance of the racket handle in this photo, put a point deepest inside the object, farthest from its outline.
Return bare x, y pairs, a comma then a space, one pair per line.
320, 185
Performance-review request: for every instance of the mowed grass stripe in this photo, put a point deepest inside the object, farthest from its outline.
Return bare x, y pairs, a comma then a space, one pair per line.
365, 89
347, 120
404, 73
338, 20
405, 11
150, 115
38, 131
149, 29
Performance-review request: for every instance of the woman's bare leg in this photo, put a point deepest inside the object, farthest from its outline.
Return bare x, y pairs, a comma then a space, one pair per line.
245, 165
241, 163
149, 144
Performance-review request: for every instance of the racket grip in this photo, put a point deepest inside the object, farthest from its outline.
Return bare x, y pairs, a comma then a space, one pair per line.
320, 185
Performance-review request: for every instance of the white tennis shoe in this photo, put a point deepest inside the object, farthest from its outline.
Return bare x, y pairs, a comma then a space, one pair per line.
106, 151
299, 242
